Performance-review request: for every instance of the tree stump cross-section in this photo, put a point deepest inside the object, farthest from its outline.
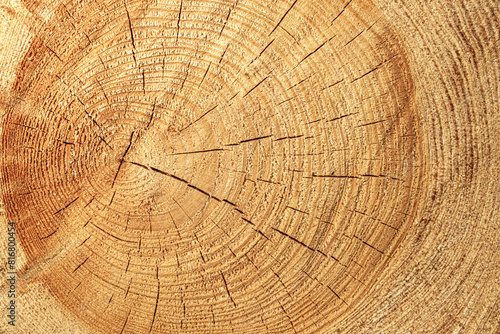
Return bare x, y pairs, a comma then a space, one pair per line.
238, 166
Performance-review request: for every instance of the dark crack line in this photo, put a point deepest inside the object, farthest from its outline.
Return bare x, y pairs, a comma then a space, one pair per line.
364, 75
103, 65
303, 244
292, 137
381, 176
372, 123
152, 114
109, 302
282, 283
163, 62
225, 50
341, 12
105, 142
354, 38
317, 49
111, 235
131, 32
156, 307
294, 239
76, 287
297, 210
336, 295
55, 54
73, 201
112, 198
227, 289
180, 180
74, 21
104, 92
263, 50
213, 315
376, 219
232, 97
374, 69
285, 101
185, 77
248, 221
65, 142
122, 160
143, 83
128, 289
204, 75
126, 319
337, 176
333, 84
340, 117
195, 152
250, 140
149, 168
257, 85
293, 37
283, 17
367, 244
91, 117
26, 126
268, 181
225, 22
179, 22
288, 316
84, 241
298, 83
328, 287
81, 264
51, 234
128, 264
199, 118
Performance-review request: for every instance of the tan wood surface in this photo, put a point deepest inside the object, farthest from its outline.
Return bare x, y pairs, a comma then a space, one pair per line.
246, 166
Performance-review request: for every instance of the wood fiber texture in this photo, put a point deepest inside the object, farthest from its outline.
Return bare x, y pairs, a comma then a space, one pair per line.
245, 166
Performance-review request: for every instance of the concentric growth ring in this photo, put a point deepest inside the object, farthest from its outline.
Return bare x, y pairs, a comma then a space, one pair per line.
211, 166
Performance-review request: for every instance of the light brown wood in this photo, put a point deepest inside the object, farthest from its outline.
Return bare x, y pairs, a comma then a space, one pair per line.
251, 166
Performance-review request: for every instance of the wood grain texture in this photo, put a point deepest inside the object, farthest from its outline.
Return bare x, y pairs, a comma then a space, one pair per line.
251, 166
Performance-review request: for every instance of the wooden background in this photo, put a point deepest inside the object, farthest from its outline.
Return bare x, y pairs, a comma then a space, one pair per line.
367, 138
